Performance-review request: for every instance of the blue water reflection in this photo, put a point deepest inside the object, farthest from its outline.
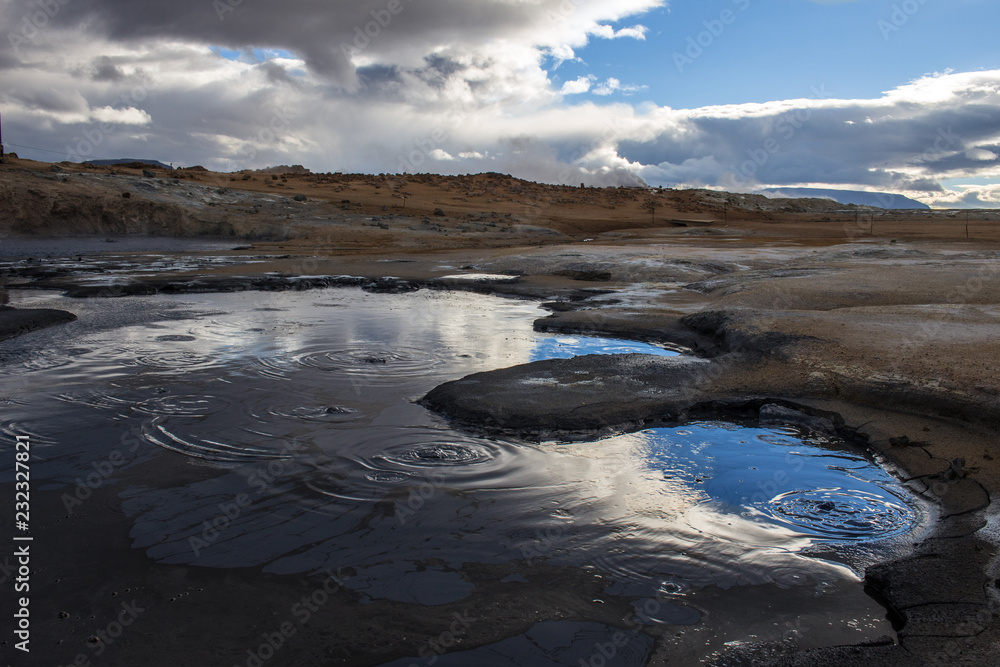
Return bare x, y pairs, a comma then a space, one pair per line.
785, 476
565, 347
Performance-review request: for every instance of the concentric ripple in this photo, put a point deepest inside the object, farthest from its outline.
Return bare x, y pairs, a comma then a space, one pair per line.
173, 361
372, 362
332, 414
48, 359
384, 457
444, 454
95, 399
842, 515
182, 406
190, 444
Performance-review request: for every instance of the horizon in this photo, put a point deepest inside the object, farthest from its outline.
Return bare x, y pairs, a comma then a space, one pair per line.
727, 94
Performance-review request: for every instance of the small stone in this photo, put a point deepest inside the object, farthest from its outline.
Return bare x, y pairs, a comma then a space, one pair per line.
148, 174
300, 198
126, 195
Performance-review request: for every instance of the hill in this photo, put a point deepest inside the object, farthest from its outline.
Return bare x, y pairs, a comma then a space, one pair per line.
858, 197
127, 160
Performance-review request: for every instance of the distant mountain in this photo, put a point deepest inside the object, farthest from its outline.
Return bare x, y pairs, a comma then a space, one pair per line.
127, 160
859, 197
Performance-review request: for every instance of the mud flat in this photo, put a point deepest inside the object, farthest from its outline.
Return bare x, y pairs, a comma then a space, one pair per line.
894, 344
17, 321
880, 353
890, 337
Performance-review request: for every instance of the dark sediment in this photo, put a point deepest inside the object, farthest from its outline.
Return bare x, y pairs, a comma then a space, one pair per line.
16, 321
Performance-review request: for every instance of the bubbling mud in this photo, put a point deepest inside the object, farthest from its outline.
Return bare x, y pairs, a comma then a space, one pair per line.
309, 414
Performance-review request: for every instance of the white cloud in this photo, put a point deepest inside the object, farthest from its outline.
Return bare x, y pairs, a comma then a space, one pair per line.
607, 32
441, 155
980, 154
613, 85
578, 86
608, 87
127, 116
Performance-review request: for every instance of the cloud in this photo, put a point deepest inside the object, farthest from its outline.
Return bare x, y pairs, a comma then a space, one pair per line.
334, 38
967, 196
613, 85
938, 127
607, 32
441, 155
454, 86
578, 86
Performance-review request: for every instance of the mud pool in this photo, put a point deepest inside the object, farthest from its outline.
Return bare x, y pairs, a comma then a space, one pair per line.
280, 431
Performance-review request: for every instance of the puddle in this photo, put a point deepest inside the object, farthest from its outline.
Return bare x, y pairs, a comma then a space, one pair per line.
304, 405
686, 496
565, 347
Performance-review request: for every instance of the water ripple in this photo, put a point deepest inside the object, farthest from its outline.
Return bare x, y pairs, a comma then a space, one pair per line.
846, 515
194, 446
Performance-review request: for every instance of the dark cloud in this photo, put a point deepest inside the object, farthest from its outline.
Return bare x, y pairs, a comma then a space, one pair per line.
106, 70
326, 33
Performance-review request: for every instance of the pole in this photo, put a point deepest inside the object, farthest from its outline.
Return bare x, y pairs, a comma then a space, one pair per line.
1, 137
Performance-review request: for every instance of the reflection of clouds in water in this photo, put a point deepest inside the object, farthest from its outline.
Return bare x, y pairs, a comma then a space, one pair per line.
433, 326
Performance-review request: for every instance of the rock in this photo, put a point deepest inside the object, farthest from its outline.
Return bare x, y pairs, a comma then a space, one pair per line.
148, 174
126, 195
55, 168
14, 321
300, 198
820, 383
439, 212
773, 414
390, 286
579, 395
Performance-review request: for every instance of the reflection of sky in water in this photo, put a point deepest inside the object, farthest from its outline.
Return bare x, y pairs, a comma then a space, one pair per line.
779, 476
565, 347
304, 404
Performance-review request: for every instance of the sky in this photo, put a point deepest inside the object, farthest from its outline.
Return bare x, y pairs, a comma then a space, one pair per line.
898, 96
